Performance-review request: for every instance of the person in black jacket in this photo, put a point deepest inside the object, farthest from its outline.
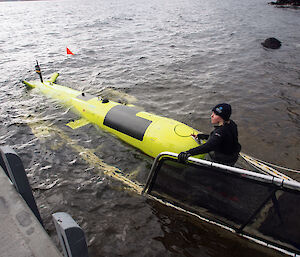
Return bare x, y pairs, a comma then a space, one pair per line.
222, 144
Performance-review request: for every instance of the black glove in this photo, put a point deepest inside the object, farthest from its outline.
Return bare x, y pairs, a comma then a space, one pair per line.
202, 136
183, 156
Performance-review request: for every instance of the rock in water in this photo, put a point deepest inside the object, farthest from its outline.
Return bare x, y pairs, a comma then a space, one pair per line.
272, 43
286, 2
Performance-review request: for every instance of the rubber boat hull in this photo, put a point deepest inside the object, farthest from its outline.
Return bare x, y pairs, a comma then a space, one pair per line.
150, 133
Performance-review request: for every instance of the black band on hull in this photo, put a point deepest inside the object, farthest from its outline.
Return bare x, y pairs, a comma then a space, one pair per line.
123, 119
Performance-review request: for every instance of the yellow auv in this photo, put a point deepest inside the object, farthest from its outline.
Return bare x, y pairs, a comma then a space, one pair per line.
148, 132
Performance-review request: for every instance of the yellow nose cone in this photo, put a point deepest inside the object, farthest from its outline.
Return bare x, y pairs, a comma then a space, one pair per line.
183, 130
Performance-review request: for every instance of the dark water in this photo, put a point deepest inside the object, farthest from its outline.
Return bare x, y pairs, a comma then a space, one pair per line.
173, 58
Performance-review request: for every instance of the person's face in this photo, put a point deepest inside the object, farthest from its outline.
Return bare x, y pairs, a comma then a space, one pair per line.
215, 119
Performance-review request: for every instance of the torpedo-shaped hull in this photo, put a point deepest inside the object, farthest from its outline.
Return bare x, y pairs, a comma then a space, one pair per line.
150, 133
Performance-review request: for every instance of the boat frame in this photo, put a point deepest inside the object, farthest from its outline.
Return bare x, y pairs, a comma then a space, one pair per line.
278, 183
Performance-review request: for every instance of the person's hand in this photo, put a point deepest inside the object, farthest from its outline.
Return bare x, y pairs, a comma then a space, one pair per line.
202, 136
183, 156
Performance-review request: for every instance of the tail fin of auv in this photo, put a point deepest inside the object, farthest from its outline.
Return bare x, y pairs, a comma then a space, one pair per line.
53, 77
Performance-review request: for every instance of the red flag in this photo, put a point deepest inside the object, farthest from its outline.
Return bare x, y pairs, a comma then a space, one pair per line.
69, 52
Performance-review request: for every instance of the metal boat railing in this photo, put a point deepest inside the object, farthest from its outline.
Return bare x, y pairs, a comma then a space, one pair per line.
282, 183
273, 201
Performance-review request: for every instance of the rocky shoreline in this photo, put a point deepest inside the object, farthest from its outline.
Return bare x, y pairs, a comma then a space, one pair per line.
286, 3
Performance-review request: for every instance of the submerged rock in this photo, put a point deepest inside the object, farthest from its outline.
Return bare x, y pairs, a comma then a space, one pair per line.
286, 2
272, 43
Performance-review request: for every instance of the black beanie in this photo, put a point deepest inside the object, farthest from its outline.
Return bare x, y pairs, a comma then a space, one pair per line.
223, 110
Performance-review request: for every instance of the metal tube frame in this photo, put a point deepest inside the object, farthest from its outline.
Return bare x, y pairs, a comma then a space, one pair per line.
280, 183
277, 182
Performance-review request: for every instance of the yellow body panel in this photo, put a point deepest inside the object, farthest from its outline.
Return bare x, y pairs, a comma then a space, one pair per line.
161, 134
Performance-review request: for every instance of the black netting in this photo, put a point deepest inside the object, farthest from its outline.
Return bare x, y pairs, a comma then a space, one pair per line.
232, 200
280, 221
